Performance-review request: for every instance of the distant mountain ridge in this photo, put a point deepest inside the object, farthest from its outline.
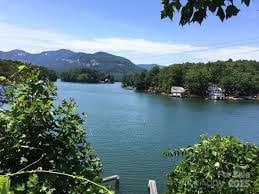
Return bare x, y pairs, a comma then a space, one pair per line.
64, 60
148, 67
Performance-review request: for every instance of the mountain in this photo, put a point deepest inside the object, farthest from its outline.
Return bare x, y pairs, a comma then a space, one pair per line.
149, 66
63, 60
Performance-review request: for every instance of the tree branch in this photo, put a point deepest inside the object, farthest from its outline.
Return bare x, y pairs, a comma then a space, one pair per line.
58, 173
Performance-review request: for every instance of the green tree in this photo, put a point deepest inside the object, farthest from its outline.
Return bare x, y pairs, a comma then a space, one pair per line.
9, 67
173, 75
37, 134
85, 75
238, 78
152, 76
165, 79
46, 73
216, 165
197, 79
140, 81
197, 10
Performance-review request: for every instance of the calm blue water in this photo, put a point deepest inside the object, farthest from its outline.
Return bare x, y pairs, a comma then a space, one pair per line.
130, 130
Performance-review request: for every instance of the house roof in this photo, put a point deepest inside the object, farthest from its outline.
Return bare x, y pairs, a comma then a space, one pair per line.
177, 89
213, 87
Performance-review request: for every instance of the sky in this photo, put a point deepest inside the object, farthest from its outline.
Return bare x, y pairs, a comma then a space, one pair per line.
128, 28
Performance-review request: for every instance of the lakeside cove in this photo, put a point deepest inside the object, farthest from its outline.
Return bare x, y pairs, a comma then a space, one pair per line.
139, 97
130, 130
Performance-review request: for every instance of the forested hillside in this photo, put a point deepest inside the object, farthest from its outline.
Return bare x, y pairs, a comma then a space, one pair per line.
237, 78
9, 67
86, 75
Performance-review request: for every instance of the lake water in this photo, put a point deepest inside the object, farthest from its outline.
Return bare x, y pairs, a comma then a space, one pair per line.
130, 130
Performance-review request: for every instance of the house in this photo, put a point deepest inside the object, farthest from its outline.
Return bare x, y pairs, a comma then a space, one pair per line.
215, 92
177, 91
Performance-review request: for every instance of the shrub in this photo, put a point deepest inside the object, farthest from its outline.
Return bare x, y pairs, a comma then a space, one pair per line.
35, 134
216, 165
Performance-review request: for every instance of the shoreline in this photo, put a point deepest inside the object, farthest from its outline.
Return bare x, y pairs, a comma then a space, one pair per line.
194, 96
85, 82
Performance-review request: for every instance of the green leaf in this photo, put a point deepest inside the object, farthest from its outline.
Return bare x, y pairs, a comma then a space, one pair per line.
4, 184
177, 4
199, 16
231, 11
23, 160
170, 13
186, 14
247, 2
213, 9
20, 187
2, 78
217, 164
22, 67
221, 14
163, 14
33, 180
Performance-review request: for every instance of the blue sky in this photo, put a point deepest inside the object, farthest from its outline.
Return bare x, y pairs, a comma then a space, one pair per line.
130, 28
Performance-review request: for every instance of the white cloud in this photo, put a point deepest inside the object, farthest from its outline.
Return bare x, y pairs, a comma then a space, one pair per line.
32, 40
139, 50
235, 53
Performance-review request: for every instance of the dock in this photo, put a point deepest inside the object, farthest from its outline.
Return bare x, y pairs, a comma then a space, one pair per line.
111, 178
115, 178
152, 187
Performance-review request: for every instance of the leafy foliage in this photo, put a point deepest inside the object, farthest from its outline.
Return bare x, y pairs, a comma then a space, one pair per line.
4, 184
9, 67
86, 75
46, 73
216, 165
197, 10
197, 79
238, 78
37, 134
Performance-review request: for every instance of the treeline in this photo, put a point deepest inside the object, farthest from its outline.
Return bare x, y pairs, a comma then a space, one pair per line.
9, 67
237, 78
86, 75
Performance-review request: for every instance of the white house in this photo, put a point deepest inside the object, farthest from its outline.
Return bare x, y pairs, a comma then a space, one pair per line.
177, 91
215, 92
